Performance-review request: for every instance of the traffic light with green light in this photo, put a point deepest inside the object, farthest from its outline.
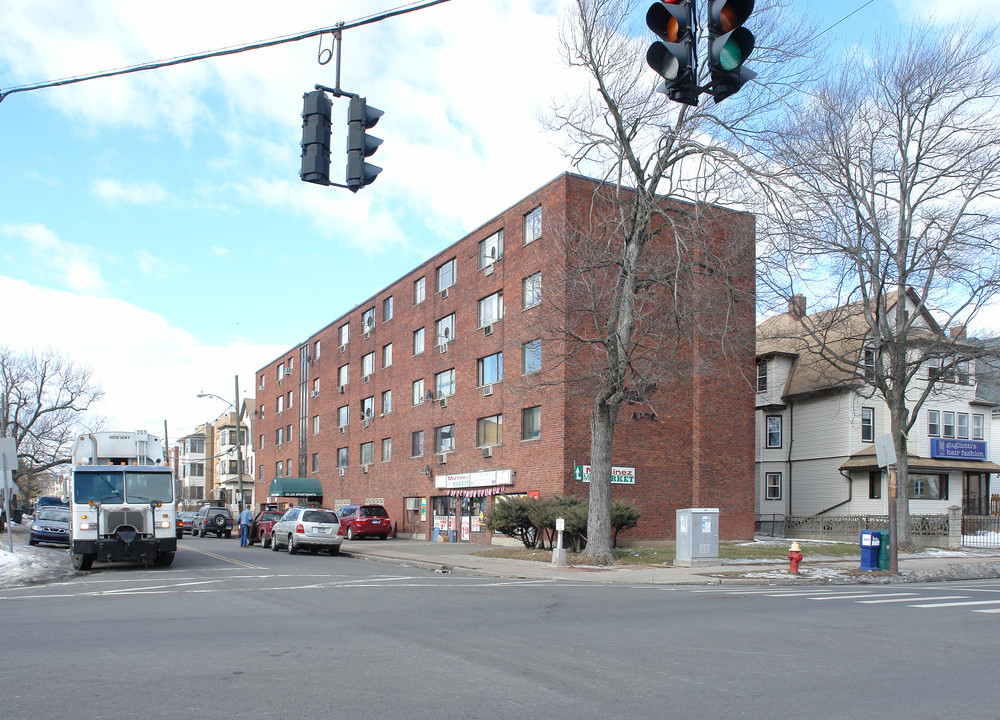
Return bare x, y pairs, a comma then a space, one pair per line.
729, 46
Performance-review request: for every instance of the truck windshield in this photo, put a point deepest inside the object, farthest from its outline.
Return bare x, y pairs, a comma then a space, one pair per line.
99, 487
119, 487
147, 487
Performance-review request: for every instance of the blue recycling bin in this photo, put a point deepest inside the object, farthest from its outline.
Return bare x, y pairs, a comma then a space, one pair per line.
871, 542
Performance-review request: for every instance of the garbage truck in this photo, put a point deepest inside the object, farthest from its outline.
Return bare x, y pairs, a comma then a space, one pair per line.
121, 495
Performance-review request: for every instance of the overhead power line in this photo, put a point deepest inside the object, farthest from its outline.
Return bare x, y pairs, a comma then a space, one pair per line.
413, 7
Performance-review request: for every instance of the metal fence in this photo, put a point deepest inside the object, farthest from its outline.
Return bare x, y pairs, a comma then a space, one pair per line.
981, 531
924, 529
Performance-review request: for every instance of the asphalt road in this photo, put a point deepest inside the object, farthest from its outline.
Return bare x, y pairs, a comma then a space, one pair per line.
231, 633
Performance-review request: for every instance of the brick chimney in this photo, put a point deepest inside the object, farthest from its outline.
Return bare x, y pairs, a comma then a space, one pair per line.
797, 306
957, 331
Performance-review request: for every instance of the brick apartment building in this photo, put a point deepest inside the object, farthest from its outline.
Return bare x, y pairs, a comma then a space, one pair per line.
444, 390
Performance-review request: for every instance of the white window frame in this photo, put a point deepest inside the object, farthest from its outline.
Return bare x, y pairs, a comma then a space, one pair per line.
772, 486
532, 225
495, 243
446, 273
531, 291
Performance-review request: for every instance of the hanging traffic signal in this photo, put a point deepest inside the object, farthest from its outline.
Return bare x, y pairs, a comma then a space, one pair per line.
361, 117
729, 46
675, 58
316, 108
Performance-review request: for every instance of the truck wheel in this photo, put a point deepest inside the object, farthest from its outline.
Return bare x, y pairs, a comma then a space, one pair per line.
291, 546
228, 534
82, 561
163, 559
265, 542
219, 521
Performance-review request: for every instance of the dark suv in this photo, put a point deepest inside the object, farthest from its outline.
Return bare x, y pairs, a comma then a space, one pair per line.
216, 520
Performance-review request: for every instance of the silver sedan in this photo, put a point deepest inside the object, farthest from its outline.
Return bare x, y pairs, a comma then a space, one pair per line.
305, 527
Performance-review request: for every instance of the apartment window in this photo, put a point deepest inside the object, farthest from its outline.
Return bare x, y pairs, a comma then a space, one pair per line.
260, 446
445, 330
977, 427
316, 385
419, 290
868, 364
531, 355
386, 449
875, 485
281, 371
198, 469
772, 486
418, 391
418, 341
762, 376
289, 364
444, 384
344, 334
489, 369
342, 457
315, 462
343, 415
933, 423
316, 350
261, 383
387, 402
343, 375
531, 422
446, 275
927, 487
489, 431
387, 355
962, 432
367, 364
773, 431
368, 320
867, 424
260, 473
367, 453
368, 407
491, 249
444, 438
948, 424
533, 225
290, 396
315, 424
531, 290
278, 467
387, 309
288, 433
417, 443
491, 309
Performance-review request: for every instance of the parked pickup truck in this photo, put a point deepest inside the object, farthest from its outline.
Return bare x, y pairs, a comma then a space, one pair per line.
260, 531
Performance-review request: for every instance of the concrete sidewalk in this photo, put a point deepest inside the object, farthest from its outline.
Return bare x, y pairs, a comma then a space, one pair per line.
462, 558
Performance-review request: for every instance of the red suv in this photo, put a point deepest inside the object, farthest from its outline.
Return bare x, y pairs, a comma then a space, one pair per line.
261, 528
360, 521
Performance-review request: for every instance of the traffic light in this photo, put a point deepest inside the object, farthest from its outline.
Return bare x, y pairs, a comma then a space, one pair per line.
361, 117
729, 46
675, 58
316, 138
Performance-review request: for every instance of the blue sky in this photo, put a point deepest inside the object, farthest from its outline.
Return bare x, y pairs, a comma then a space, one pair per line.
153, 226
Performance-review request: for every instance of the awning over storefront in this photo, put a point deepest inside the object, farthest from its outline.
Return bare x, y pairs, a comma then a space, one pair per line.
866, 460
478, 492
295, 487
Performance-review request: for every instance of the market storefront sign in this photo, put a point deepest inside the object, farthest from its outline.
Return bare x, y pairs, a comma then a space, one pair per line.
619, 475
958, 449
488, 478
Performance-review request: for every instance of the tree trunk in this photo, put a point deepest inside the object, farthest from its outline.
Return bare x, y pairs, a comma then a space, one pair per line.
602, 423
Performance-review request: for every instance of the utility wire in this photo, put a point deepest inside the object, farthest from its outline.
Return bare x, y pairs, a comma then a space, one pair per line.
845, 18
155, 65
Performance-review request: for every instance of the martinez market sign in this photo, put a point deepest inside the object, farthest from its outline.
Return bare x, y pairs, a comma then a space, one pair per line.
619, 475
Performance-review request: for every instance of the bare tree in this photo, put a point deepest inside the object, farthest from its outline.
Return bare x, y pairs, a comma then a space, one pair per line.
42, 399
890, 177
646, 149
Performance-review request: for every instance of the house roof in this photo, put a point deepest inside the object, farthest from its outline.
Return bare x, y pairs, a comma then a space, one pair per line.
866, 460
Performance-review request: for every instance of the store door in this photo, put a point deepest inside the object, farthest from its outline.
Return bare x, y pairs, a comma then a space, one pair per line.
445, 520
975, 495
472, 519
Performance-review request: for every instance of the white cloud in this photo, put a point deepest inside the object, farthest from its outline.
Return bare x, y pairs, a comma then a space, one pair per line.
76, 265
134, 193
152, 266
946, 12
150, 371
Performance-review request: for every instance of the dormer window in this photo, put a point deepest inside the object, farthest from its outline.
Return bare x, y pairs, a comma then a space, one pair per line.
762, 376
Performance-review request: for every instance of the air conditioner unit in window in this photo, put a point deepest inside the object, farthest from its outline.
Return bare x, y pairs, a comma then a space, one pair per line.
488, 329
442, 458
340, 389
367, 334
488, 390
365, 422
443, 402
413, 503
487, 452
444, 294
341, 428
488, 270
364, 469
341, 472
314, 393
443, 347
366, 378
343, 348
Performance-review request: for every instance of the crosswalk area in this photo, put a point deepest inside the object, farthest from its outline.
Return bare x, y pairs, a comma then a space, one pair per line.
977, 597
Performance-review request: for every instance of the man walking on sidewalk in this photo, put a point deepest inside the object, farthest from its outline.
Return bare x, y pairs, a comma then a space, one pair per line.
246, 520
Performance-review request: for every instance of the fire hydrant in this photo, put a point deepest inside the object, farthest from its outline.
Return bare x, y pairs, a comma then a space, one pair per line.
794, 557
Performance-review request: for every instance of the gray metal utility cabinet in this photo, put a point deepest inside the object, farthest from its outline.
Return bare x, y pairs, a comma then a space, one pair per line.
697, 537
